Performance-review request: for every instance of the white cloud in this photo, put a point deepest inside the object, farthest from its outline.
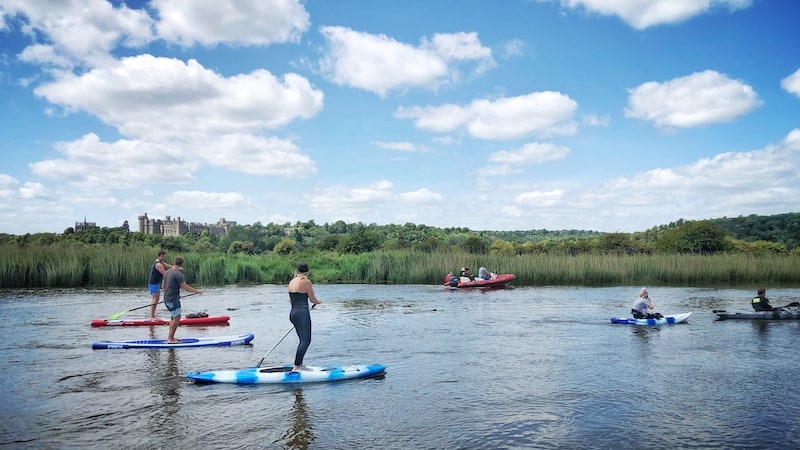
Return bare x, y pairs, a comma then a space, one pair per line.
91, 164
247, 22
157, 98
256, 155
379, 64
423, 195
531, 153
541, 113
400, 146
207, 200
698, 99
792, 83
76, 37
642, 14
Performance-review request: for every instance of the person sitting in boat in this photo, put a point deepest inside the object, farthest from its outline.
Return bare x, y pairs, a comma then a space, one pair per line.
761, 303
485, 274
466, 273
643, 305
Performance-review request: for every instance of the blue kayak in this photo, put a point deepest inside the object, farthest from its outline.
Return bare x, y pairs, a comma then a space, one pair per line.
666, 320
284, 374
218, 341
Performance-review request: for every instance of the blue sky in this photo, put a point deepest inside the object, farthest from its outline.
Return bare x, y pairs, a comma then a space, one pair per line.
605, 115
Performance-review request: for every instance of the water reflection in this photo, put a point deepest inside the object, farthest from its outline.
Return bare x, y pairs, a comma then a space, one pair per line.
301, 434
165, 376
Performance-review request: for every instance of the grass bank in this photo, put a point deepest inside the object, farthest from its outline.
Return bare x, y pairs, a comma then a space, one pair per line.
117, 266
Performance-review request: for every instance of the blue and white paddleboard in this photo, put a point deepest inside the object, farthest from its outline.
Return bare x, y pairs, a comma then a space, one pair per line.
222, 341
675, 318
284, 374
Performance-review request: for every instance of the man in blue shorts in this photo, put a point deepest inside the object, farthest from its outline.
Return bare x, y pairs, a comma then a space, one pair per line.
173, 282
157, 271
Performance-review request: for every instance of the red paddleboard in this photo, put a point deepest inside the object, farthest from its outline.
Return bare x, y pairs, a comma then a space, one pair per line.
210, 320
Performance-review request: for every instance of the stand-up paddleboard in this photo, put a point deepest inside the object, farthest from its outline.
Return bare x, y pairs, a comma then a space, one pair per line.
210, 320
666, 320
284, 374
219, 341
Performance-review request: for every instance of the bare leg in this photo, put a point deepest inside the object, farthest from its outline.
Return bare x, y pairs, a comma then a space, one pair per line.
173, 326
153, 303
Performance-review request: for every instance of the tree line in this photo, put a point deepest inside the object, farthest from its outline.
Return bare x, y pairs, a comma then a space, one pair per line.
762, 235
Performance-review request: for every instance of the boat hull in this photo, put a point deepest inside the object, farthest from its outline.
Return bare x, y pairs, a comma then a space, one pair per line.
759, 315
666, 320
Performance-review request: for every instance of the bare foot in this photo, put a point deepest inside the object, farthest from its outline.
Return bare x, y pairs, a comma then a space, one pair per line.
299, 368
173, 341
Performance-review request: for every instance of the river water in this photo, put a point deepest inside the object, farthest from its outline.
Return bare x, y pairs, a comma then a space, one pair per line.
531, 368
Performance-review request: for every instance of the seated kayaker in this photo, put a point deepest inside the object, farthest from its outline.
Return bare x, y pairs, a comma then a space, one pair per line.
642, 306
760, 302
466, 273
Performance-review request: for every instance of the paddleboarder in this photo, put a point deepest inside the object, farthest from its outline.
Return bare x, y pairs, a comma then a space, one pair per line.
173, 282
301, 291
157, 270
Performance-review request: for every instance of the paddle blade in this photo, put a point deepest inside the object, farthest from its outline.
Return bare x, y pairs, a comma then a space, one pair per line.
118, 315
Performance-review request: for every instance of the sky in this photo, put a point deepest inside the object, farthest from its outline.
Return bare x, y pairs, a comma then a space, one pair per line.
602, 115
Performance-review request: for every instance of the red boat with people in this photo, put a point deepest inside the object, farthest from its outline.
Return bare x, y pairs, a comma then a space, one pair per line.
495, 281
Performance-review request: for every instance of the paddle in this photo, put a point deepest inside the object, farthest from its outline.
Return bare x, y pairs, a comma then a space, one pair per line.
279, 341
122, 313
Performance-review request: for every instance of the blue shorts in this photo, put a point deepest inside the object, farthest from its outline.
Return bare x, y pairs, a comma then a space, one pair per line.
154, 289
174, 308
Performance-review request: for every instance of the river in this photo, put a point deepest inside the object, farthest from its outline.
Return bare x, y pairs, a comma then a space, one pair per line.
538, 367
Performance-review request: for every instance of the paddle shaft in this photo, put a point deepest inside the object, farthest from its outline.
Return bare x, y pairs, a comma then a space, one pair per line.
122, 313
279, 341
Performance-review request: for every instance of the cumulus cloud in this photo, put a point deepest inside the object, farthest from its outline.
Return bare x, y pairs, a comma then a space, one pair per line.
244, 22
531, 153
695, 100
73, 37
91, 164
400, 146
379, 63
542, 113
641, 14
164, 98
373, 200
792, 83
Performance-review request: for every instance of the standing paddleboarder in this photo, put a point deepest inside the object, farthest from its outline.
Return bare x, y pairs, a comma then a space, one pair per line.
300, 292
173, 282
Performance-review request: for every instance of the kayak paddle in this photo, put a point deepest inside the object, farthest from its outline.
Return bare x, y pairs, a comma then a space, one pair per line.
279, 341
122, 313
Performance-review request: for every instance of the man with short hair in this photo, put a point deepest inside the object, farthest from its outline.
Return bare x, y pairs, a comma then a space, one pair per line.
157, 270
173, 282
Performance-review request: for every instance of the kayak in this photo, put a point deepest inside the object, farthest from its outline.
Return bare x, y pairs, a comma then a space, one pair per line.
283, 374
210, 320
671, 319
219, 341
463, 282
793, 314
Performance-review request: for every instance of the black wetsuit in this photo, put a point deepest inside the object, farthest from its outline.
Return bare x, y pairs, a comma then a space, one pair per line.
300, 316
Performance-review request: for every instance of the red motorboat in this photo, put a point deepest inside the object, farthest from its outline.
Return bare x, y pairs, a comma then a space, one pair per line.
496, 281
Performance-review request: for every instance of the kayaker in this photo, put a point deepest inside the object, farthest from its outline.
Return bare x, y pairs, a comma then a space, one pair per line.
643, 305
301, 291
760, 302
173, 282
157, 271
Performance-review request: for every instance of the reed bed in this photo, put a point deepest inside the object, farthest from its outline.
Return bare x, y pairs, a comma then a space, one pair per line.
120, 266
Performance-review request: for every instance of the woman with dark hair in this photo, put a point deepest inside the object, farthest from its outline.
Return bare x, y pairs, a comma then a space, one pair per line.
300, 292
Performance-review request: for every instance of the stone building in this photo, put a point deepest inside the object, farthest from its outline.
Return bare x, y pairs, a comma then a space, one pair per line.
176, 227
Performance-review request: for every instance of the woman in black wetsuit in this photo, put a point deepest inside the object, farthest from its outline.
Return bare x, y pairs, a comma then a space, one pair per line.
300, 292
